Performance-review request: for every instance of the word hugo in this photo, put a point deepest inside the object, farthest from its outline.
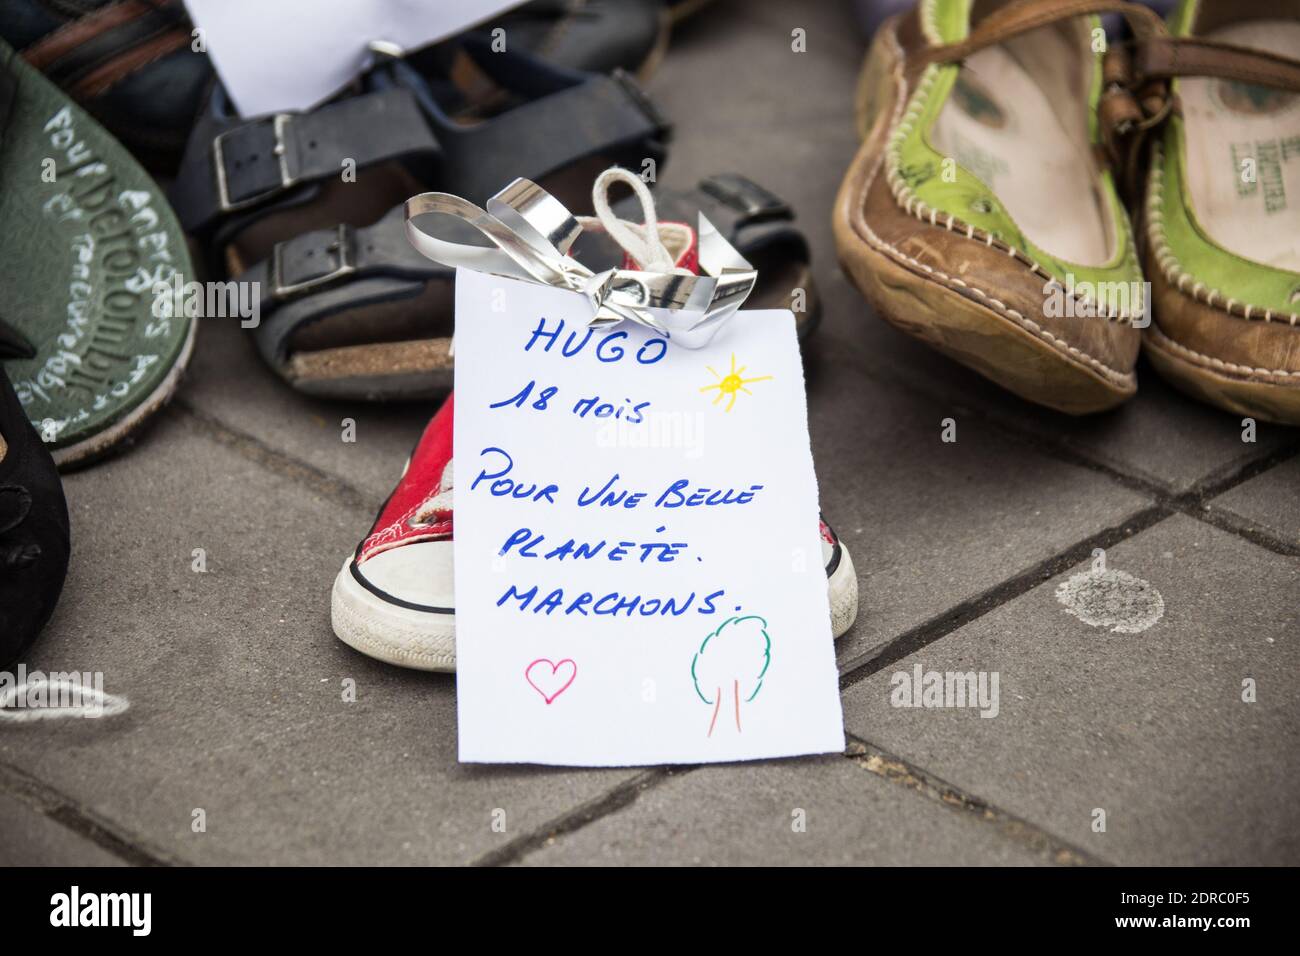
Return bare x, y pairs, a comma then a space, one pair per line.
607, 348
582, 408
75, 908
678, 494
197, 300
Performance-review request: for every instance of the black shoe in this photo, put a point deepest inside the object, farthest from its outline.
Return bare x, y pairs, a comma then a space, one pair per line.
33, 518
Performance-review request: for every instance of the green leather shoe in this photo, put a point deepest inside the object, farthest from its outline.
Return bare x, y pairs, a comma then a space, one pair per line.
981, 215
85, 235
1222, 209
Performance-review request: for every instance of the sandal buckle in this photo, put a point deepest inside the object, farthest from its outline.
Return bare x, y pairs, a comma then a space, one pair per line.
344, 258
279, 124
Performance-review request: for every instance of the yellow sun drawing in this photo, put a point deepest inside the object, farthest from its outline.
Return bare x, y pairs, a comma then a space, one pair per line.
731, 384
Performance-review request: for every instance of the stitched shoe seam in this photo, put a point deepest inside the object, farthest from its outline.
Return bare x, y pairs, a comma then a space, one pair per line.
1173, 270
1213, 362
916, 207
1110, 373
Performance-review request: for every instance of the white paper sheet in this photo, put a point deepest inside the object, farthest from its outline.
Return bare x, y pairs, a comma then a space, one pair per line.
275, 55
743, 665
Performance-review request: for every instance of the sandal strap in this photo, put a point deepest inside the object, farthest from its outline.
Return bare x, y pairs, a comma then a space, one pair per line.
1022, 16
1166, 57
326, 271
733, 202
603, 115
1129, 107
236, 170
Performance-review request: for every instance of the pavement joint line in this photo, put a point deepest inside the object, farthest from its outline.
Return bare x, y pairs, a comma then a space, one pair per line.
611, 801
896, 770
974, 608
1196, 502
1229, 475
1233, 523
327, 486
865, 754
62, 810
1242, 470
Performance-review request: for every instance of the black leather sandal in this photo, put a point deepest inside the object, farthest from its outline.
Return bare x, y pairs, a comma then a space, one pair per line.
359, 314
246, 184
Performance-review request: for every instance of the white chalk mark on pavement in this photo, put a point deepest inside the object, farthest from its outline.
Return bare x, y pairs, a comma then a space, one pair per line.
1116, 600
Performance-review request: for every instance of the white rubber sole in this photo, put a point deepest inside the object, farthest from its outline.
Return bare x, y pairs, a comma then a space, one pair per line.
389, 632
425, 641
843, 585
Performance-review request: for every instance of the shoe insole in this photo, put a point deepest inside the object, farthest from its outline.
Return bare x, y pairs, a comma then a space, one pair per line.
1243, 153
1001, 124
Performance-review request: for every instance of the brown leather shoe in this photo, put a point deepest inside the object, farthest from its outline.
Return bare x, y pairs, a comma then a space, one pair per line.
979, 215
1222, 212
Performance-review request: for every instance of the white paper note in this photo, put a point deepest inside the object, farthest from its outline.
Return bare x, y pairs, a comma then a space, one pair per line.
292, 54
639, 576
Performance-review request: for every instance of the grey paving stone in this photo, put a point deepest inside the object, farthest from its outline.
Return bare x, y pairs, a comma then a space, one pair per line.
741, 815
1270, 501
1161, 437
29, 838
929, 523
228, 381
235, 682
1149, 726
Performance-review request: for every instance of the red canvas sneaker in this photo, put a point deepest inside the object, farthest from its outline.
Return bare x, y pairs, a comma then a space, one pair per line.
394, 599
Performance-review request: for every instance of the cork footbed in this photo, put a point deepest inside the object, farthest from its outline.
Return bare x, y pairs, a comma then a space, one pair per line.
1229, 127
1016, 120
399, 349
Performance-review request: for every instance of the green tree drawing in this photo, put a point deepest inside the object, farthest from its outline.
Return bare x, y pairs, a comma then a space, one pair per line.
731, 664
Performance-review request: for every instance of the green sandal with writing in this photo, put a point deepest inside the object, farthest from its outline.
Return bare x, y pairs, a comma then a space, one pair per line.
85, 237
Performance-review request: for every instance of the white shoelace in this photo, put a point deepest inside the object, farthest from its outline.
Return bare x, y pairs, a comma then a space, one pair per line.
643, 242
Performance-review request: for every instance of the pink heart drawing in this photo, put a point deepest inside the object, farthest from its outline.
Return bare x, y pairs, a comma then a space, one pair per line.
551, 685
